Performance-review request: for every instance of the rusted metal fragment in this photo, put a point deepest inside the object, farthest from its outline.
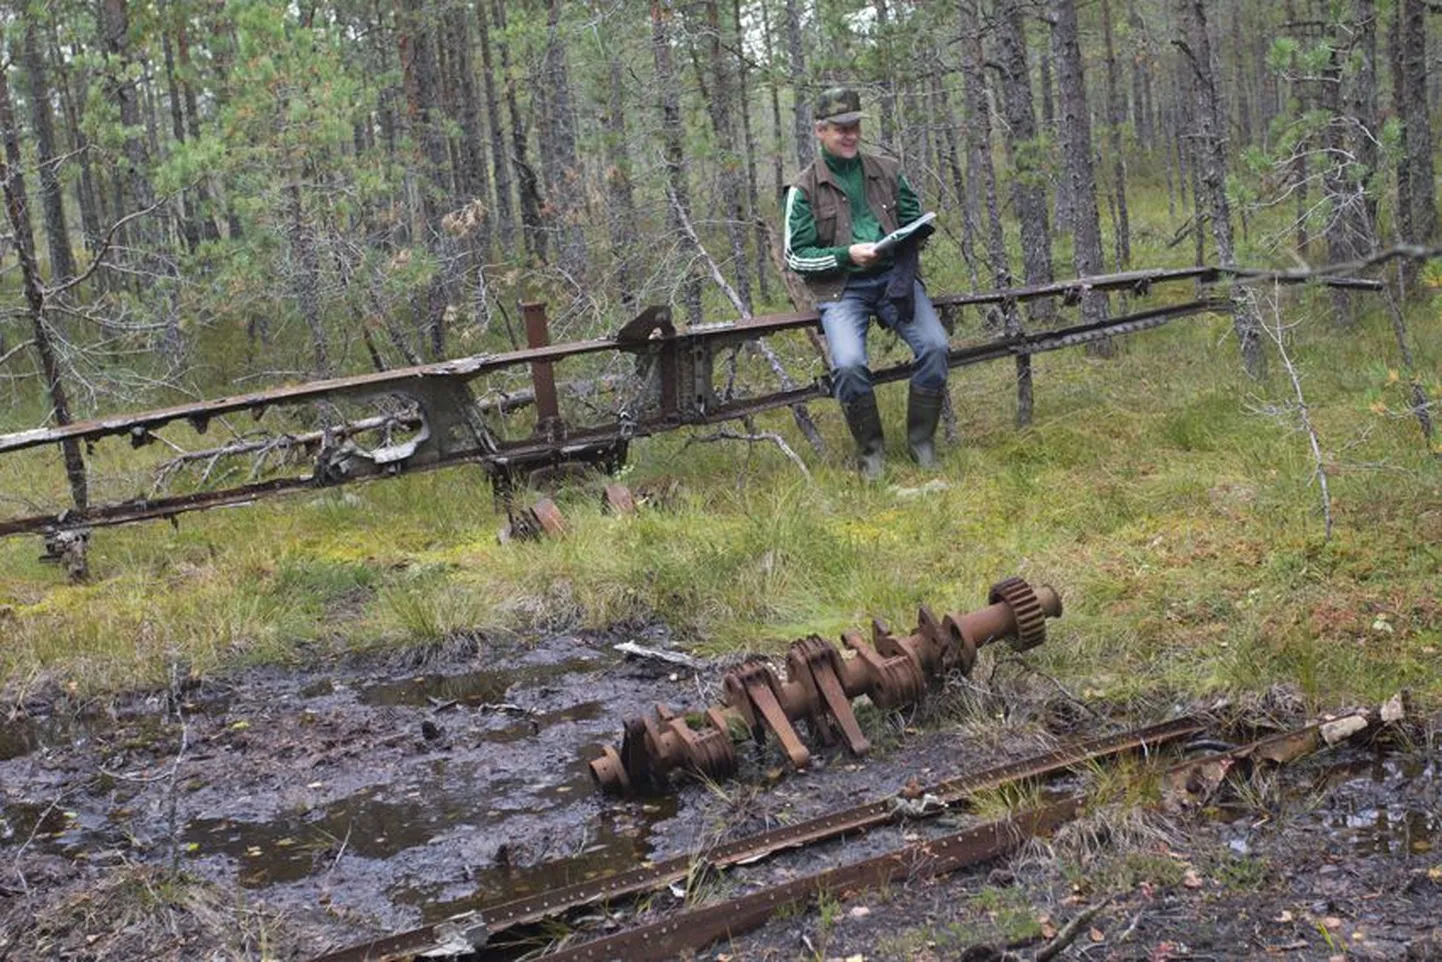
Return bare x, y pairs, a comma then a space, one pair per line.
542, 519
891, 671
698, 928
1196, 782
618, 499
653, 877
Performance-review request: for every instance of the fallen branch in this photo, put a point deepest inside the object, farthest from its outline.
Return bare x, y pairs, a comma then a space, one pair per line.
798, 411
1069, 932
669, 657
772, 436
1303, 413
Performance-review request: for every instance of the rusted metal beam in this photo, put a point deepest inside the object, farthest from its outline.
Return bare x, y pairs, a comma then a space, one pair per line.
489, 922
654, 322
440, 402
695, 929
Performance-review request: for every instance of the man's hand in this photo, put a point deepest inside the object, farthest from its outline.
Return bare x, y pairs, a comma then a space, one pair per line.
863, 255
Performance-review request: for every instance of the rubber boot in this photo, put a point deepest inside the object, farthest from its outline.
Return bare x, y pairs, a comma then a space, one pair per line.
923, 409
864, 420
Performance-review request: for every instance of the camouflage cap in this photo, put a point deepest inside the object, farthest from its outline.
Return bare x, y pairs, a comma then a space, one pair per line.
839, 105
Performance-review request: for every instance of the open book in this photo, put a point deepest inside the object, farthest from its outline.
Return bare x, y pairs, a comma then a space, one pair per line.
887, 243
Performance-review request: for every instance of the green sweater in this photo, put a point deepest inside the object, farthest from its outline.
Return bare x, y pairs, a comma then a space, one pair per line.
803, 251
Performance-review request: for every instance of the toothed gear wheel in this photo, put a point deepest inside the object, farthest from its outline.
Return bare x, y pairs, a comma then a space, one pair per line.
1025, 610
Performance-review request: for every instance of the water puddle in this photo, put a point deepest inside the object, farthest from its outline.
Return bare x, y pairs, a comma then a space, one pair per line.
472, 689
26, 735
1383, 805
50, 827
616, 840
382, 821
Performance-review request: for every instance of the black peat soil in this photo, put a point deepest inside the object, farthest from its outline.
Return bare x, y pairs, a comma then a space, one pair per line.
282, 813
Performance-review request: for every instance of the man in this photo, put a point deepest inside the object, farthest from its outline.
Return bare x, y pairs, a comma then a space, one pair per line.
836, 210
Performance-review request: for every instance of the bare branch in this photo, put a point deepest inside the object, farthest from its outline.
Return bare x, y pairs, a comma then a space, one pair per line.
772, 436
104, 248
15, 350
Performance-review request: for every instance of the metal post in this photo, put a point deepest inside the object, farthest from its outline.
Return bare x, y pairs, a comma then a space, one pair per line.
543, 379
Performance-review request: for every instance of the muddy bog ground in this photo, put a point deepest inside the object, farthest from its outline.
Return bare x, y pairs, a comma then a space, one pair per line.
282, 813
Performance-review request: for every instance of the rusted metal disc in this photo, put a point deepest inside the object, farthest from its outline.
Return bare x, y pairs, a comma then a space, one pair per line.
619, 500
1026, 610
548, 517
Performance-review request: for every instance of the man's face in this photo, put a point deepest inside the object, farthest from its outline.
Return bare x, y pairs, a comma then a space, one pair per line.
840, 140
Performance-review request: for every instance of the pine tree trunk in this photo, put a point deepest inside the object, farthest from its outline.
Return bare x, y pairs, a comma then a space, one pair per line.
673, 143
115, 26
1075, 131
475, 173
1300, 175
1141, 78
1117, 116
753, 195
1417, 120
1402, 218
982, 175
1211, 165
527, 185
621, 213
730, 180
205, 216
62, 261
886, 102
1364, 110
805, 140
305, 268
189, 229
90, 194
505, 213
1024, 152
559, 161
420, 74
1239, 74
12, 182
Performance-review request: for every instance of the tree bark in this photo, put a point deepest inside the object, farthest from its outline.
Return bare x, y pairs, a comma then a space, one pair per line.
420, 74
62, 260
1076, 139
673, 142
13, 184
1364, 111
1117, 117
753, 194
505, 214
982, 175
621, 212
1024, 151
475, 172
527, 185
560, 163
1417, 120
189, 229
1211, 164
730, 179
805, 140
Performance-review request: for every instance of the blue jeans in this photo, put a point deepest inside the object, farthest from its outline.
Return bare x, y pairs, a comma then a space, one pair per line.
847, 319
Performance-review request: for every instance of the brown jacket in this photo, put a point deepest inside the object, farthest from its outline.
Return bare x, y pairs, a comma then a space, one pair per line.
831, 210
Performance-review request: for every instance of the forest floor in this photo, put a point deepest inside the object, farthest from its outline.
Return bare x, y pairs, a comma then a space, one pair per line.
281, 813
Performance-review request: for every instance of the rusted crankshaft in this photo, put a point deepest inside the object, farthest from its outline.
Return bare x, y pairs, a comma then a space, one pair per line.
819, 685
